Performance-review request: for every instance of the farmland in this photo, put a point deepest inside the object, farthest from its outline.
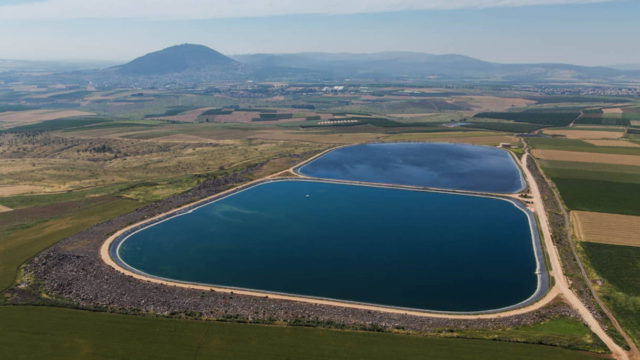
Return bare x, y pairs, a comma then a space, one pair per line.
576, 156
577, 133
17, 116
63, 175
607, 228
600, 184
70, 334
26, 233
532, 117
621, 289
576, 145
599, 196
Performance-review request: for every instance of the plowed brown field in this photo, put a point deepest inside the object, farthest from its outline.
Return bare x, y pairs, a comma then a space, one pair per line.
607, 228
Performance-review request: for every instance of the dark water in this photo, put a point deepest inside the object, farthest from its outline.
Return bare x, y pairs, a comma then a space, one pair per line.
384, 246
439, 165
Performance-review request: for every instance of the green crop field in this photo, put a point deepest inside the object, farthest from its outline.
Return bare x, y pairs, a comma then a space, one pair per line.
545, 118
591, 171
172, 110
75, 95
48, 333
505, 126
59, 124
619, 267
578, 145
34, 231
599, 196
596, 187
603, 121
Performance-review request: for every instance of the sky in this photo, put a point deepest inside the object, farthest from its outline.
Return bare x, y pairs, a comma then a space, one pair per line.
585, 32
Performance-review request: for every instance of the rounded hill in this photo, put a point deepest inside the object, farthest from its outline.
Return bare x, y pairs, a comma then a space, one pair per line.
178, 59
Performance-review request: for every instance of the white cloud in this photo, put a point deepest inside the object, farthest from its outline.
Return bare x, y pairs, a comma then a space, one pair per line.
204, 9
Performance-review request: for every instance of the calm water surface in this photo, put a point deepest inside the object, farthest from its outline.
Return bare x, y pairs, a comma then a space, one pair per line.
384, 246
439, 165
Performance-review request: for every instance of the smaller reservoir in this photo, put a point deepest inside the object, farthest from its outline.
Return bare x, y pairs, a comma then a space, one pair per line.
436, 165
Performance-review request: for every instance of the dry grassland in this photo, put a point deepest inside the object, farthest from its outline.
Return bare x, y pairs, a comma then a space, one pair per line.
411, 116
55, 93
19, 118
620, 143
493, 103
235, 117
492, 140
10, 190
612, 111
104, 96
49, 163
5, 209
27, 88
585, 134
192, 139
560, 155
320, 138
604, 228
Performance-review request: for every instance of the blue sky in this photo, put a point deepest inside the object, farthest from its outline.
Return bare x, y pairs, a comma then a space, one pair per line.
588, 32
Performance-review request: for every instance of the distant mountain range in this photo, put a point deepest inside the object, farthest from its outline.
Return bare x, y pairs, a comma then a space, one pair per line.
190, 64
419, 65
626, 66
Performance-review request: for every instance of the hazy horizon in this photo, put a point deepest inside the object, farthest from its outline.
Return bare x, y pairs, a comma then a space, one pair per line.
504, 31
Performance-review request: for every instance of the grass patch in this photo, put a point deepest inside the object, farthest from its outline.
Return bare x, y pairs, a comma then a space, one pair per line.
172, 111
564, 332
23, 201
74, 95
619, 267
154, 191
49, 333
21, 243
58, 124
113, 125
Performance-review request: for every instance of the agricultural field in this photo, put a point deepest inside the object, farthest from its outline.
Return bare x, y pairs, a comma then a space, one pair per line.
72, 334
533, 117
577, 156
596, 187
618, 268
586, 134
575, 145
10, 119
607, 228
600, 183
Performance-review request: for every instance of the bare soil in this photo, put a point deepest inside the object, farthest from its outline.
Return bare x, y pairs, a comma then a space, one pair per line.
604, 228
